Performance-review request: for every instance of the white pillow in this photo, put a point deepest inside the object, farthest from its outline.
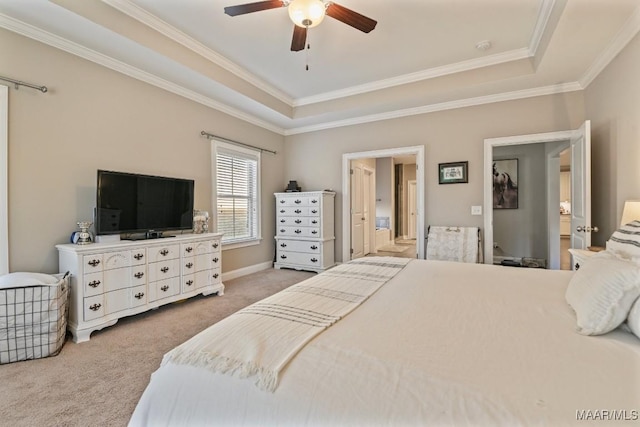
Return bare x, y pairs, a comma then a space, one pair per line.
21, 280
633, 320
602, 291
625, 241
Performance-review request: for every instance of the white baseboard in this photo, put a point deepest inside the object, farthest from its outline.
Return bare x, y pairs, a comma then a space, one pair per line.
230, 275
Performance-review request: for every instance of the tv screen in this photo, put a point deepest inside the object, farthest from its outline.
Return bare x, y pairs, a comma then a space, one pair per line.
134, 203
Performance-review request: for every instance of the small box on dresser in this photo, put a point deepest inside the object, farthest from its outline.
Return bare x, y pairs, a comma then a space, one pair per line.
113, 280
305, 237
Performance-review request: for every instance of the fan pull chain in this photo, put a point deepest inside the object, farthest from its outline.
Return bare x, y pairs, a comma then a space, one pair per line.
307, 51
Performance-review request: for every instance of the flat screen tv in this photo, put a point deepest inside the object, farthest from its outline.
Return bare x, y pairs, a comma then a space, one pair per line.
129, 203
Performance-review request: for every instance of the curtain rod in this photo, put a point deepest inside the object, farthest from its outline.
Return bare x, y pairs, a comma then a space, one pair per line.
210, 135
18, 83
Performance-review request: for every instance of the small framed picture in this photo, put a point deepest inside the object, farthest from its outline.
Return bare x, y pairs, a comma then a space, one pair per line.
453, 173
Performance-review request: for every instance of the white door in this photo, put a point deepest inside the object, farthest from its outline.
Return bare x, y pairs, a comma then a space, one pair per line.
411, 209
357, 213
367, 187
581, 226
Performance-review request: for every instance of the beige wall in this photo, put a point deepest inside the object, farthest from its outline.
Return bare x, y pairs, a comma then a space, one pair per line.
314, 159
613, 104
94, 118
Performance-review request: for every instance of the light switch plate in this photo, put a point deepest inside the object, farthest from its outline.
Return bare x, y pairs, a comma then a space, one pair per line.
476, 210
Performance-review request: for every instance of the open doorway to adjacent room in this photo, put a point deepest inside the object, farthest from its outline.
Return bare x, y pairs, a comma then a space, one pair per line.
382, 196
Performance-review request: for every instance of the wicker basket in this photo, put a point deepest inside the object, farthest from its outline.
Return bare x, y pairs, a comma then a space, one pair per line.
33, 320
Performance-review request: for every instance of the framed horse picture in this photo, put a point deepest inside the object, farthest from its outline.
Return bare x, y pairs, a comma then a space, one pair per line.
505, 184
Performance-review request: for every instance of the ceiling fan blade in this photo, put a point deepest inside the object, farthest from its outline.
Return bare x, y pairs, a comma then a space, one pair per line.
241, 9
350, 17
299, 38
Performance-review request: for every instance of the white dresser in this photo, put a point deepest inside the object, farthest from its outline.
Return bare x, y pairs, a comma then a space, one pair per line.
114, 280
305, 238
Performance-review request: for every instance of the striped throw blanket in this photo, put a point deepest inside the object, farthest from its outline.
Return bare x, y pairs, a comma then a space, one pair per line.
259, 340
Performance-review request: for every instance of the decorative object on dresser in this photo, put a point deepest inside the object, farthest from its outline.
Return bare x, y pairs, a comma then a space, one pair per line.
293, 187
113, 280
305, 238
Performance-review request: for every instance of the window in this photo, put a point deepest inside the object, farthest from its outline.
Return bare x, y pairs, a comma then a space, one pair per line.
236, 195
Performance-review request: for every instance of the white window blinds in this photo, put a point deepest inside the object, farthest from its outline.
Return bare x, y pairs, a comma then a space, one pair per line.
237, 188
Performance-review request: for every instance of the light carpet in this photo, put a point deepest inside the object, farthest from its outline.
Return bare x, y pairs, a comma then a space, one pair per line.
99, 382
394, 248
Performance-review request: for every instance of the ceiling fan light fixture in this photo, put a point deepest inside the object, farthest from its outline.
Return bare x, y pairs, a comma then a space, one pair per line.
307, 13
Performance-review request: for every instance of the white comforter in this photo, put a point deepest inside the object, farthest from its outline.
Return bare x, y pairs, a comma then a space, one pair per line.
440, 344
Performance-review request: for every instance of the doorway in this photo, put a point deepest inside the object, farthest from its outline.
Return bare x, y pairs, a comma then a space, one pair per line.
349, 215
580, 176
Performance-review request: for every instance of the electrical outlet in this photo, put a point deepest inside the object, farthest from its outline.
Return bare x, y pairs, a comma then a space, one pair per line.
476, 210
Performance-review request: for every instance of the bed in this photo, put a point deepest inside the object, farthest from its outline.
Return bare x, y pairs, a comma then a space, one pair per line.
439, 343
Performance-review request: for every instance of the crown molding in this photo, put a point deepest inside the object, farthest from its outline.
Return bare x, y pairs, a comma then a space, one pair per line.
431, 73
73, 48
621, 39
442, 106
544, 14
146, 18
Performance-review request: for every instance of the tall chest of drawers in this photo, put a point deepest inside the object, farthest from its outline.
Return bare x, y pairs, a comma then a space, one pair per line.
305, 238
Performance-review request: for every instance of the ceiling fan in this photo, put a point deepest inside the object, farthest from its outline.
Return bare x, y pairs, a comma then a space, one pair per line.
307, 14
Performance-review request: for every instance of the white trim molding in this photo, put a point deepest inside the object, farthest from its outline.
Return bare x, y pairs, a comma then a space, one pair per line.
230, 275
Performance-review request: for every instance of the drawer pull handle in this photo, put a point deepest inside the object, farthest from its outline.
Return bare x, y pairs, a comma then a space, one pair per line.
94, 262
215, 275
315, 221
189, 265
189, 249
164, 269
138, 256
314, 247
314, 201
314, 260
282, 211
298, 221
165, 288
281, 200
298, 201
215, 246
189, 282
164, 252
139, 275
94, 284
297, 211
283, 220
298, 231
283, 256
314, 211
282, 230
283, 245
216, 259
139, 295
314, 231
95, 307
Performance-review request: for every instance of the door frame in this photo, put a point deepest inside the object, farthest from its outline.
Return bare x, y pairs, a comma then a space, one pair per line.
418, 151
4, 180
489, 144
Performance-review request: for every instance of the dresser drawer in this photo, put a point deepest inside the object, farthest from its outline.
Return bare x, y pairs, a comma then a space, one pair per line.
294, 221
138, 296
311, 247
164, 270
293, 201
164, 289
293, 211
161, 253
94, 307
92, 263
298, 231
93, 284
302, 259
